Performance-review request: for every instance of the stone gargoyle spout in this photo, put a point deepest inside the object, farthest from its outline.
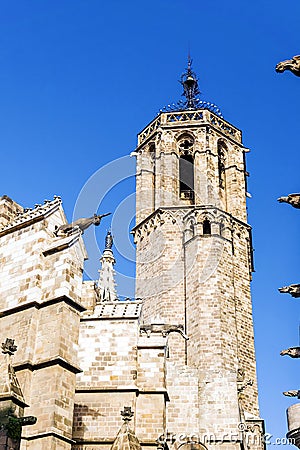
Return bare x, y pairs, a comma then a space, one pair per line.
293, 352
293, 289
80, 224
292, 65
293, 393
292, 199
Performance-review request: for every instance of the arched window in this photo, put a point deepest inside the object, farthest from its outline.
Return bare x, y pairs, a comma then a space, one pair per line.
186, 176
206, 227
221, 163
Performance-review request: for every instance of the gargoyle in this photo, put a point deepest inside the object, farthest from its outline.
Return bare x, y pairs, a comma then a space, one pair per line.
293, 289
292, 199
242, 384
293, 352
81, 224
290, 64
294, 393
164, 329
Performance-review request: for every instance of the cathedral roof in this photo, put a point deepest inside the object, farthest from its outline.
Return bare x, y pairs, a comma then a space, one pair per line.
31, 215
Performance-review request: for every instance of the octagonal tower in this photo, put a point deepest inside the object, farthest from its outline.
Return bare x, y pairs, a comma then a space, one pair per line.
194, 264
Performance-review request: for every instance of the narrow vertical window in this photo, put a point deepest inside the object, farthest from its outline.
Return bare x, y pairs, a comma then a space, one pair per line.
186, 167
186, 176
206, 227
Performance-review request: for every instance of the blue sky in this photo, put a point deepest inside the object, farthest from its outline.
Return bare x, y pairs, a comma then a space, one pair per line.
79, 79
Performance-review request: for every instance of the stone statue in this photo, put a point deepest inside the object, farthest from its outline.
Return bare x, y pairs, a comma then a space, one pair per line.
109, 241
293, 352
292, 199
290, 64
81, 224
294, 393
293, 289
242, 384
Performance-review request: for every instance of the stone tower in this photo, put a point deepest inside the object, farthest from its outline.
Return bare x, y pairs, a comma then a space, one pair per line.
194, 264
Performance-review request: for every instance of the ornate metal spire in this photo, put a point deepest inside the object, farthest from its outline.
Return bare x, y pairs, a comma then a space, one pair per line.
189, 82
191, 92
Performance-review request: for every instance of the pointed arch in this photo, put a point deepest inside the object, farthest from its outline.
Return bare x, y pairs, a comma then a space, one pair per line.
186, 176
185, 146
206, 226
185, 143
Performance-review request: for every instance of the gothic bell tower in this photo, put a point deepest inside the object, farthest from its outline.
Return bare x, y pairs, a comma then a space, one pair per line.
194, 264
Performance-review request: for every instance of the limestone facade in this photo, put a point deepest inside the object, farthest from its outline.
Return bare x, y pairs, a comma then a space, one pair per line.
181, 356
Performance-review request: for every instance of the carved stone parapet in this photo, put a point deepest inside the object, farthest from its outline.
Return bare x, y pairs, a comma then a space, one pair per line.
29, 215
198, 117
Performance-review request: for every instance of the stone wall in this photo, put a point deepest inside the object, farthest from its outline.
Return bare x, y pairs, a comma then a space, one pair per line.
40, 290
